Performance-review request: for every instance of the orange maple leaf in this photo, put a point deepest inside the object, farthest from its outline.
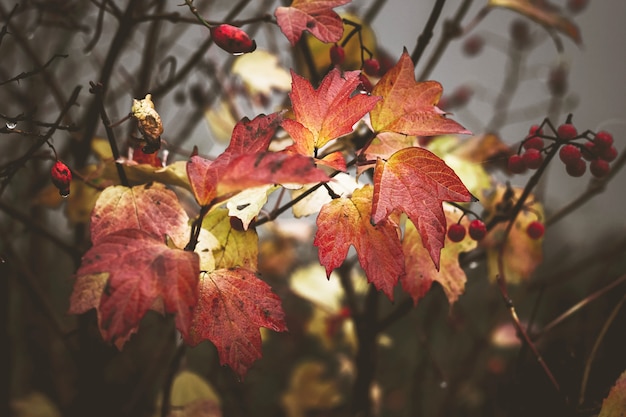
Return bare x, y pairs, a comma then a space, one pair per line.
346, 221
409, 107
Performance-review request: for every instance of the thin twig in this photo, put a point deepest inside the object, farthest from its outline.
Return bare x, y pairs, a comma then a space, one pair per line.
596, 346
97, 90
427, 32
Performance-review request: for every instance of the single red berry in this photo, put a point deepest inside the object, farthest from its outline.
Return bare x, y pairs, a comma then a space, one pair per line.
477, 229
535, 229
589, 151
337, 55
61, 177
534, 142
535, 130
456, 232
566, 131
603, 140
473, 45
232, 39
576, 168
569, 153
371, 67
516, 164
532, 158
599, 168
608, 154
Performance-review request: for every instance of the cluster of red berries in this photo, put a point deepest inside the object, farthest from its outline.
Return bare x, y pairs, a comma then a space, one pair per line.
598, 150
478, 230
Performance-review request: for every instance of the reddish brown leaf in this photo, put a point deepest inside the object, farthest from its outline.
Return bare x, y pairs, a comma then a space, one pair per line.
142, 270
150, 207
326, 113
409, 107
315, 16
253, 170
249, 136
346, 221
232, 305
420, 271
416, 181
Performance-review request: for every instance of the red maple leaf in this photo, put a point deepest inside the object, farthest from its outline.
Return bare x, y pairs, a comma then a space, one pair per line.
408, 106
232, 305
246, 163
315, 16
346, 221
249, 136
416, 181
325, 113
149, 207
143, 273
252, 170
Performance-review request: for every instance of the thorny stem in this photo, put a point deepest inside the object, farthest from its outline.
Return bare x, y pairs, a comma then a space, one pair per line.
427, 32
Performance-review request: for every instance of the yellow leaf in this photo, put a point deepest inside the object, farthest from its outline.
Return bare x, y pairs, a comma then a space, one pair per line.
190, 391
615, 404
261, 73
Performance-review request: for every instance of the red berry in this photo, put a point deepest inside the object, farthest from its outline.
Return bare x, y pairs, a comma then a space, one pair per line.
569, 153
61, 177
371, 67
599, 168
456, 232
566, 131
535, 229
337, 55
590, 151
535, 130
608, 154
534, 142
473, 45
516, 164
477, 229
532, 158
603, 140
232, 39
576, 168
